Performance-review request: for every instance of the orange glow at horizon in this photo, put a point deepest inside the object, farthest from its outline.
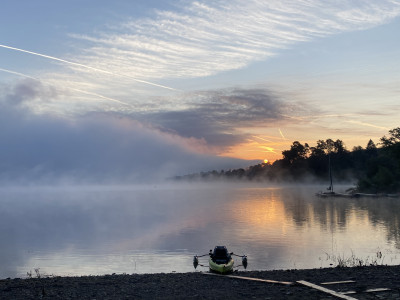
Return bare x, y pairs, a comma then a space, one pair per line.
254, 150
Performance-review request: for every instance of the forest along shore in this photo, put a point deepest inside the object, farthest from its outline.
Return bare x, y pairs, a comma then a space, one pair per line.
198, 285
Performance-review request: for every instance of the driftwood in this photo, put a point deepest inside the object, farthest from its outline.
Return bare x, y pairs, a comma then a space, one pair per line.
337, 282
368, 291
325, 290
251, 278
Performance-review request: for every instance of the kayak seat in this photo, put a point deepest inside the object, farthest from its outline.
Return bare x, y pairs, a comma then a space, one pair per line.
220, 255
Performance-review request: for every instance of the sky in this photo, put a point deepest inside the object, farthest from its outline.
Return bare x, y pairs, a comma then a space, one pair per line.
124, 90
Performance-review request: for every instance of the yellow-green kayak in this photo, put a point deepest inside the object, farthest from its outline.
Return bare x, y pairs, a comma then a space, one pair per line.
221, 268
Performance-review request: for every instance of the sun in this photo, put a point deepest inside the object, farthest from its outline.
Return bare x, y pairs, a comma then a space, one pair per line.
266, 161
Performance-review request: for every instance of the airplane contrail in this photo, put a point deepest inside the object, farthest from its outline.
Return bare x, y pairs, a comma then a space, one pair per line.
367, 124
260, 138
268, 149
87, 67
281, 134
73, 89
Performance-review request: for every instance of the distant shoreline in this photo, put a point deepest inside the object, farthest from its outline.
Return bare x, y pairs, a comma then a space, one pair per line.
196, 285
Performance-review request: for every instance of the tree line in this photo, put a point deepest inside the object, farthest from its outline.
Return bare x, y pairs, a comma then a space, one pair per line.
374, 169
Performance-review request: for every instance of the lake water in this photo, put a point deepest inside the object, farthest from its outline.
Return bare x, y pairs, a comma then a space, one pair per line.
158, 228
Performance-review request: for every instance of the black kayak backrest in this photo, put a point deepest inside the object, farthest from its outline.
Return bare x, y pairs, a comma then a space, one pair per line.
220, 252
221, 255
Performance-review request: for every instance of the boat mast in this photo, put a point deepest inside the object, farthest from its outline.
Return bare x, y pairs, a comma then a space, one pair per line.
330, 174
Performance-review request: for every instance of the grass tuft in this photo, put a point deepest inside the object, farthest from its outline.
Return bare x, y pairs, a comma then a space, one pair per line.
341, 261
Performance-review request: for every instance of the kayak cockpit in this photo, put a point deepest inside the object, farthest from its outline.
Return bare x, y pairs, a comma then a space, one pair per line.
220, 260
220, 255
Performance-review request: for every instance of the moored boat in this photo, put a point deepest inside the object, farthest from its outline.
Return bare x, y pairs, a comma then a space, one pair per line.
355, 195
333, 194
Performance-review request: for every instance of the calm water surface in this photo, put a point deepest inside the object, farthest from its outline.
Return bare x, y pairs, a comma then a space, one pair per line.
149, 229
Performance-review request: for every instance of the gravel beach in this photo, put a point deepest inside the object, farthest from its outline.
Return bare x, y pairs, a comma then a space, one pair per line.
198, 285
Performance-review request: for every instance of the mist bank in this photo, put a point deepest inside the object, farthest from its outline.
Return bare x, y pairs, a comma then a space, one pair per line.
93, 148
96, 149
372, 169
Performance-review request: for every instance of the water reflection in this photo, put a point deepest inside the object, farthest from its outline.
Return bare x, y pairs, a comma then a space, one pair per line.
158, 228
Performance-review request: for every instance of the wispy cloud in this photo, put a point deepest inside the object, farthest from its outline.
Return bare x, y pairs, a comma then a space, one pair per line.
204, 38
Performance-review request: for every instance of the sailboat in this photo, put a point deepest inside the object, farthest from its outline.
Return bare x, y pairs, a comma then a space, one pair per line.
330, 192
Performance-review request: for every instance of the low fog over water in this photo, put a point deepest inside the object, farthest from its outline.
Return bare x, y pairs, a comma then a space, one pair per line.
158, 228
92, 148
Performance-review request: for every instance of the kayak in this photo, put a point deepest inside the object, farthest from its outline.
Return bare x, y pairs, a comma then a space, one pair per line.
222, 268
220, 260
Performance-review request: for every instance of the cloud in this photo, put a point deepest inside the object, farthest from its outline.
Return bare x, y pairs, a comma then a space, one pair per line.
203, 38
97, 147
28, 90
218, 116
38, 81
